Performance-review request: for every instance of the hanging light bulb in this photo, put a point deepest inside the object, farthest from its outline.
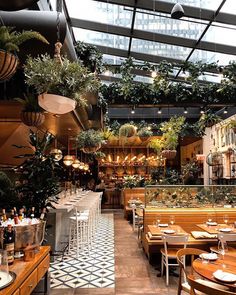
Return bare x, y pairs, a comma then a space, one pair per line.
68, 159
86, 167
81, 166
177, 11
76, 164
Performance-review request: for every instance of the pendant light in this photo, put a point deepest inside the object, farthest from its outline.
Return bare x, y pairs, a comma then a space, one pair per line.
177, 11
76, 162
68, 159
56, 153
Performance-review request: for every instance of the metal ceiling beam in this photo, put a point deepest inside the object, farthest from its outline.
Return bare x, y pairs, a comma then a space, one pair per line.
137, 55
166, 7
150, 36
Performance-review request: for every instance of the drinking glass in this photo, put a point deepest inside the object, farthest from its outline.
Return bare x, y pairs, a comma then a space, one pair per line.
158, 220
222, 249
226, 219
172, 219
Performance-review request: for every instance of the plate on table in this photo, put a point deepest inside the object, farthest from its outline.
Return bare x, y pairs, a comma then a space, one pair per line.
6, 278
212, 223
163, 224
169, 231
225, 229
223, 276
208, 256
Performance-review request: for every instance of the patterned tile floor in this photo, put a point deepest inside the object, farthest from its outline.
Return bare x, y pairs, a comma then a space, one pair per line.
89, 271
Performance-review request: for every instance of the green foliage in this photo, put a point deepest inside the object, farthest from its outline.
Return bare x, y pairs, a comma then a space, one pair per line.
99, 155
131, 181
89, 138
69, 79
90, 56
208, 119
127, 130
231, 123
38, 174
145, 132
30, 103
8, 197
10, 40
156, 144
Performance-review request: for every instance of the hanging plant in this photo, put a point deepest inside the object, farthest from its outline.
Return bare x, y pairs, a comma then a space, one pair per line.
144, 133
32, 114
127, 130
89, 141
10, 40
208, 119
59, 84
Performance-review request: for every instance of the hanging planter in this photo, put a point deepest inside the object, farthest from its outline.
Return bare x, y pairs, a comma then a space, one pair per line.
32, 118
8, 65
127, 130
215, 158
56, 104
169, 154
59, 82
89, 141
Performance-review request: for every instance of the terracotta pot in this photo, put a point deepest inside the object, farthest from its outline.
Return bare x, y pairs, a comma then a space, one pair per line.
143, 139
56, 104
169, 154
32, 118
8, 65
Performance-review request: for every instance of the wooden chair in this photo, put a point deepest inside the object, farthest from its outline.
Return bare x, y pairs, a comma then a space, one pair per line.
183, 282
171, 253
181, 254
196, 286
137, 219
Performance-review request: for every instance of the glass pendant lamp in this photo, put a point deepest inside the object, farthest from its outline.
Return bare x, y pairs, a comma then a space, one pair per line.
68, 159
76, 162
56, 153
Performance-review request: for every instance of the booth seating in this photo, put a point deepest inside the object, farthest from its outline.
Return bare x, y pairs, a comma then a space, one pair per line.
187, 218
129, 194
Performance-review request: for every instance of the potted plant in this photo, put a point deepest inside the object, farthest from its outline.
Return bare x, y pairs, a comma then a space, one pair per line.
127, 130
32, 114
208, 119
38, 174
10, 40
99, 155
144, 133
60, 85
156, 144
170, 138
89, 141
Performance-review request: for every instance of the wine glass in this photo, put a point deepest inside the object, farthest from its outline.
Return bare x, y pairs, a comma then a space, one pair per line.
209, 218
226, 219
172, 219
222, 248
158, 220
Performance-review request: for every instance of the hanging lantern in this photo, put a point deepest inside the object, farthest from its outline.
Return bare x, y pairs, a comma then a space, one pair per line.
76, 164
86, 167
68, 160
57, 154
81, 166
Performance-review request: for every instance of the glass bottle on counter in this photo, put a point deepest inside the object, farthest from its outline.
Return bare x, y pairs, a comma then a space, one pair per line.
43, 214
12, 214
9, 242
21, 215
4, 215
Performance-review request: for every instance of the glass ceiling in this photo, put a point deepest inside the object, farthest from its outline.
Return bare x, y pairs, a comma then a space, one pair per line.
146, 31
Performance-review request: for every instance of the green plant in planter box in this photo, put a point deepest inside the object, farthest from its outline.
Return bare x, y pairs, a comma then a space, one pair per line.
145, 132
69, 79
89, 140
39, 174
127, 130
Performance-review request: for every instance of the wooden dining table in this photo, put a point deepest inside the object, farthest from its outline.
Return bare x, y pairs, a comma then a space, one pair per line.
158, 230
206, 270
215, 229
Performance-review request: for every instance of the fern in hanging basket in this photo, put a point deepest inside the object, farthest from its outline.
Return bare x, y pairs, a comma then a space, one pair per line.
66, 79
89, 141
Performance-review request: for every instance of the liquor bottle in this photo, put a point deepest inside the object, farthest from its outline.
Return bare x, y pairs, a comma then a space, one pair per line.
9, 242
32, 213
21, 215
16, 218
12, 214
4, 215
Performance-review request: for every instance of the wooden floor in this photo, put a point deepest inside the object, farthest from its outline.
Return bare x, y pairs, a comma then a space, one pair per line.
133, 273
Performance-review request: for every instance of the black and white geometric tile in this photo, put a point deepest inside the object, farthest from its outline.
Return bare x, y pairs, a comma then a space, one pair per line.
94, 269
